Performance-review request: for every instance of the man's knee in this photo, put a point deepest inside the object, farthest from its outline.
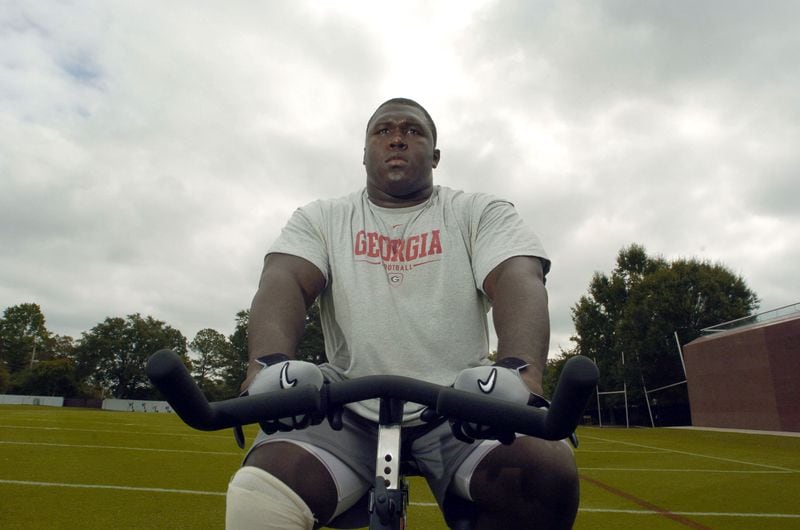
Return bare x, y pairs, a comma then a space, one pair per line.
258, 500
530, 472
301, 472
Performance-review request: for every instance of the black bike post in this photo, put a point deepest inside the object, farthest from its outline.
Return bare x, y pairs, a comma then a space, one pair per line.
389, 496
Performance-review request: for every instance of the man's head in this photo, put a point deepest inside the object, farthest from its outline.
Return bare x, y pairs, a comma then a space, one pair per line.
410, 103
400, 153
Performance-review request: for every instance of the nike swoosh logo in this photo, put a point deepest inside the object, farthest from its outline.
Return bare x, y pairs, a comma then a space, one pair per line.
487, 386
285, 381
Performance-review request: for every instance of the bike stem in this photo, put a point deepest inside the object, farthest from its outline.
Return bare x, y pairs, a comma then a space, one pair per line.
389, 496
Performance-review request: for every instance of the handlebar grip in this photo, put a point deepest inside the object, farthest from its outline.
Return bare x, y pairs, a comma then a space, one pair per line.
572, 393
575, 385
168, 373
503, 415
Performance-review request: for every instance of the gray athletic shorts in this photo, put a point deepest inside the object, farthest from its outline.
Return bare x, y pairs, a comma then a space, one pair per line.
432, 447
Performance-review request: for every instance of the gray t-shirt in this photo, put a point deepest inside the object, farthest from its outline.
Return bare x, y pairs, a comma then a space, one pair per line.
404, 286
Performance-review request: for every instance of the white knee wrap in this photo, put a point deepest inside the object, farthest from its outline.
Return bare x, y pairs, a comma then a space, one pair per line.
258, 501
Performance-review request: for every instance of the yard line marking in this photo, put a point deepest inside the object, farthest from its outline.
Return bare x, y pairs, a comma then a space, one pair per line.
696, 454
651, 512
82, 446
108, 487
422, 504
628, 452
115, 431
669, 470
85, 422
645, 504
697, 514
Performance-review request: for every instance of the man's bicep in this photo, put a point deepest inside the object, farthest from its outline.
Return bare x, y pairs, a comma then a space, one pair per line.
514, 270
280, 269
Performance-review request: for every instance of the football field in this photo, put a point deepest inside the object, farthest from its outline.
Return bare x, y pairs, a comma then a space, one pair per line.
77, 468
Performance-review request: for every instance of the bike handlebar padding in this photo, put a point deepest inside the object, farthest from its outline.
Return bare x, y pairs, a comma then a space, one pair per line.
168, 373
578, 378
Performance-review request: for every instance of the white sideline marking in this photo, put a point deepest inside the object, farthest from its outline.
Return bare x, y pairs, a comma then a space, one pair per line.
627, 452
82, 446
649, 470
697, 514
786, 469
108, 487
652, 512
422, 504
115, 431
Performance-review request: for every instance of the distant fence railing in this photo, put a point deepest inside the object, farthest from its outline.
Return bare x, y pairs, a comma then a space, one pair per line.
764, 316
47, 401
123, 405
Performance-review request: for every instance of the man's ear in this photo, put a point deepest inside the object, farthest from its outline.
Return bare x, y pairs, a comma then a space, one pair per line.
364, 157
436, 156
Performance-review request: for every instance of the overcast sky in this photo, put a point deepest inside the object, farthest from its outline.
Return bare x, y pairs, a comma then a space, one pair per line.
151, 151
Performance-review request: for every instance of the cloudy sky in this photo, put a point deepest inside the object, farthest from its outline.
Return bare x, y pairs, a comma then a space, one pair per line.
151, 151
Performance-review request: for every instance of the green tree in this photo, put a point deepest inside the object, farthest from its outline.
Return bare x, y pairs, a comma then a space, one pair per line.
599, 315
214, 354
5, 379
634, 313
311, 347
312, 344
112, 356
60, 346
234, 374
23, 336
57, 377
552, 371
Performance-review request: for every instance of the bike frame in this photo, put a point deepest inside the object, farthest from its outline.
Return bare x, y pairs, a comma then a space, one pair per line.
389, 495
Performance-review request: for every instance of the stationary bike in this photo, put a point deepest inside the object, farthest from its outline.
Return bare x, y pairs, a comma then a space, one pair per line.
388, 497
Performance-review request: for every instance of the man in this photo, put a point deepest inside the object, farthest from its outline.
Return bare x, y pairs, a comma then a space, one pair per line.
406, 272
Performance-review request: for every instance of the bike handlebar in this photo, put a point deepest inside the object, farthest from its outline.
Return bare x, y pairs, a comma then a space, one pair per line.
578, 379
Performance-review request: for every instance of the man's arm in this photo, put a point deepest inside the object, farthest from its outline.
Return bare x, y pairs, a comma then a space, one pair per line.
288, 286
521, 319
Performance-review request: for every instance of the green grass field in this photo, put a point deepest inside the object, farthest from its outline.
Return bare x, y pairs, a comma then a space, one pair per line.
74, 468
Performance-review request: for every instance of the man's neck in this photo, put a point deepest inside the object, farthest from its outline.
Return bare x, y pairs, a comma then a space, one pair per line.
385, 200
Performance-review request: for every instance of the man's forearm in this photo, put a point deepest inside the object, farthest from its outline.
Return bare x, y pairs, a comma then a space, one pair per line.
275, 328
525, 333
288, 286
272, 329
521, 318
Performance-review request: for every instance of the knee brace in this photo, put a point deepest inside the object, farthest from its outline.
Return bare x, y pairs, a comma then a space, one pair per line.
258, 500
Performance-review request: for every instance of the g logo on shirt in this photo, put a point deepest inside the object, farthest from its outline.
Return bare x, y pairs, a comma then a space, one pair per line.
395, 279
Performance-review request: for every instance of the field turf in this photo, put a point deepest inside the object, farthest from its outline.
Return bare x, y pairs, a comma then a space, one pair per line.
76, 468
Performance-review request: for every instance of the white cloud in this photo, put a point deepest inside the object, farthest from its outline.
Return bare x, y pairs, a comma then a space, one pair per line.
150, 154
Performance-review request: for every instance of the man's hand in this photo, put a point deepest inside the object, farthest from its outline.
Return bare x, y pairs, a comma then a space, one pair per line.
502, 381
279, 373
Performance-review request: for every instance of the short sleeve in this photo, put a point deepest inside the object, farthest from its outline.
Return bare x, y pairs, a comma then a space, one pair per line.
302, 236
502, 234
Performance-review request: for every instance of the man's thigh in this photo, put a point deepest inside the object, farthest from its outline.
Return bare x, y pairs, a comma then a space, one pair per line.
354, 444
325, 467
531, 475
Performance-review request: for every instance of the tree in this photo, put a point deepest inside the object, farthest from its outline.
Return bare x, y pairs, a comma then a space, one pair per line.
634, 313
215, 354
312, 344
22, 334
5, 379
112, 356
552, 371
311, 347
234, 374
56, 377
60, 346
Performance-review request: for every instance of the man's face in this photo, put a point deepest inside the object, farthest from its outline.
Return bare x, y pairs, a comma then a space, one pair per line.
399, 156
